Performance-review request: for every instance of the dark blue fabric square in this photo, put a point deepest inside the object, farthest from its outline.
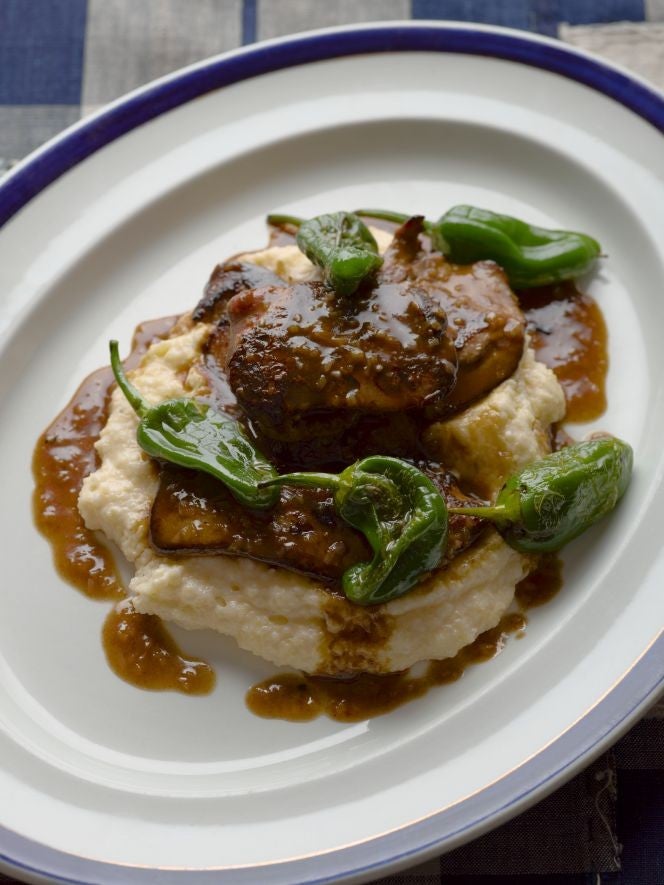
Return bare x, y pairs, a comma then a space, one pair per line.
542, 16
41, 51
551, 879
249, 28
641, 826
509, 13
587, 12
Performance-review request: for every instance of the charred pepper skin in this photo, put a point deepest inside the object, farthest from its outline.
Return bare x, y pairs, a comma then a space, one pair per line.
401, 513
340, 244
189, 433
530, 255
553, 500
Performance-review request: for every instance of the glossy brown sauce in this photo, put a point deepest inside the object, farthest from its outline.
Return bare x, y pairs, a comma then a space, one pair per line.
63, 457
299, 698
137, 646
542, 584
570, 337
354, 635
141, 651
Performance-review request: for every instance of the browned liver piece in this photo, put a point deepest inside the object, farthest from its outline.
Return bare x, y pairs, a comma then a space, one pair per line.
322, 381
305, 364
227, 280
336, 439
301, 350
484, 319
194, 514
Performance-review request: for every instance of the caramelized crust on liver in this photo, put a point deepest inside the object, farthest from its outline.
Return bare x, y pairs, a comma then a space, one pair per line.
195, 515
227, 280
304, 349
321, 381
484, 319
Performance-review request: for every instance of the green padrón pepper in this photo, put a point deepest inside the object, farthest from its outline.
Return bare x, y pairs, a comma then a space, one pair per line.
191, 434
555, 499
401, 513
280, 219
340, 244
529, 255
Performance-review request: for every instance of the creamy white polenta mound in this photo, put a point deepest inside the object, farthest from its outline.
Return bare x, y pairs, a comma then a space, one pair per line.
290, 619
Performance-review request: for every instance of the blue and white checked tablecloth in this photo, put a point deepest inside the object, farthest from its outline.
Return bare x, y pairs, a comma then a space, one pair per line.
61, 59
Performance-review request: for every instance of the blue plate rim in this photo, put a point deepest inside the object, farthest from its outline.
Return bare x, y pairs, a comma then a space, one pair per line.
604, 722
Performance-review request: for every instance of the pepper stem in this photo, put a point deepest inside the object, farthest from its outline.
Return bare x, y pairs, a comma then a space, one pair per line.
309, 480
394, 217
135, 400
279, 220
494, 512
383, 215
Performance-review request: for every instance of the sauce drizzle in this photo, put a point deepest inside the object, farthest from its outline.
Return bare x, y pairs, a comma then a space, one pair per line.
542, 584
569, 335
297, 697
141, 651
63, 457
137, 646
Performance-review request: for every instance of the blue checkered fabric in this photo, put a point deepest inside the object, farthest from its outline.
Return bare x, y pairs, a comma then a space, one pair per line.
60, 59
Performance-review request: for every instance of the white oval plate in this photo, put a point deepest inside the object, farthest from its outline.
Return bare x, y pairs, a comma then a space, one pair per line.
160, 187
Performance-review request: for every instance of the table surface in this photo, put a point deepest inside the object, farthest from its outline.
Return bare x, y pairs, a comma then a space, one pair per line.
62, 59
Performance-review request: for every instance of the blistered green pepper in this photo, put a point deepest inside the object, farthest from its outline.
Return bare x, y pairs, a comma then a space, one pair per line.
401, 513
555, 499
339, 243
280, 219
529, 255
191, 434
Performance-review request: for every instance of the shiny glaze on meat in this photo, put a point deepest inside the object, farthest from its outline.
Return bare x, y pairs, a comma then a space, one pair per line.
292, 364
485, 322
302, 349
226, 280
318, 401
193, 514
